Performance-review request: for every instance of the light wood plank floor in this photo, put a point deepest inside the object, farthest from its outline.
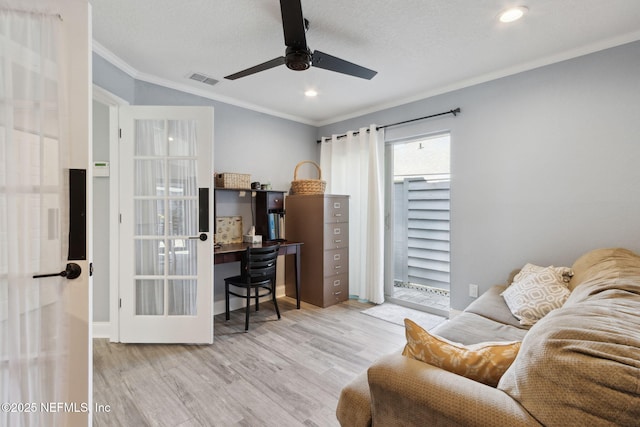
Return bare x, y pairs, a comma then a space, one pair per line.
281, 373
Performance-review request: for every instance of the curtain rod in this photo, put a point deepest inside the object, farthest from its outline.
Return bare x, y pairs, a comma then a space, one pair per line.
454, 112
31, 12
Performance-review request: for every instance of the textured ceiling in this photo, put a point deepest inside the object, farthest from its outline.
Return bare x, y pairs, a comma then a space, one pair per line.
419, 47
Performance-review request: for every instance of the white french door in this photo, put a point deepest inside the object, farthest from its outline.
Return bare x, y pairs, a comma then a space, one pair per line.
45, 339
166, 237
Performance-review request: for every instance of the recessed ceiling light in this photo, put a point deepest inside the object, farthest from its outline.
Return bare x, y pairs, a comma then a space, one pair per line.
311, 93
512, 14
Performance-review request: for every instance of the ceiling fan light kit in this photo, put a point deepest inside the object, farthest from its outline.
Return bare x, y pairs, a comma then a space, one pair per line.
298, 56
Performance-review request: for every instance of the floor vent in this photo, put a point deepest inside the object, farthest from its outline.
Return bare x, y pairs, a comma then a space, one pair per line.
199, 77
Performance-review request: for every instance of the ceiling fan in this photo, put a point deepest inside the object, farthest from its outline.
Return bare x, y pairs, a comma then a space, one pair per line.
298, 56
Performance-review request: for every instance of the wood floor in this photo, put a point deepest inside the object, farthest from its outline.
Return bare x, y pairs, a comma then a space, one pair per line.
281, 373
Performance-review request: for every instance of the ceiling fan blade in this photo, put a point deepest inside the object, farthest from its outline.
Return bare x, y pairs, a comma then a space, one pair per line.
332, 63
256, 69
293, 24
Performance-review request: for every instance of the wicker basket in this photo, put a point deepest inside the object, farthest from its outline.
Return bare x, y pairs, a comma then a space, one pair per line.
307, 186
233, 180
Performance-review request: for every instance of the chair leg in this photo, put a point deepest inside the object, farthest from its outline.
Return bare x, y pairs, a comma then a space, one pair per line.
246, 319
257, 303
275, 302
226, 299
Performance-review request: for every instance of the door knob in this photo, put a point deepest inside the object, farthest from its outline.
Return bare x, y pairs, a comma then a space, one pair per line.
72, 271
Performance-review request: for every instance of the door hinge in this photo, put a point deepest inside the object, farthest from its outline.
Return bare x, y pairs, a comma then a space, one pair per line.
120, 303
120, 133
120, 218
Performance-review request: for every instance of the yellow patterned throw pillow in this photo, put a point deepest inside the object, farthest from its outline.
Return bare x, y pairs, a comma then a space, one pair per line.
483, 362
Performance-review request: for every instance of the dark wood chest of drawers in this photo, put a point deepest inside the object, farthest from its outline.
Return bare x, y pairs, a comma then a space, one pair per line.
321, 222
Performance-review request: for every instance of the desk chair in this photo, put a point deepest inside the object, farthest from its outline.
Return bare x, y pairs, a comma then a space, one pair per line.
258, 271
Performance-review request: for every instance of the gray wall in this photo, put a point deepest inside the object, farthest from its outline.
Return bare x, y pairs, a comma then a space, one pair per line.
245, 141
544, 164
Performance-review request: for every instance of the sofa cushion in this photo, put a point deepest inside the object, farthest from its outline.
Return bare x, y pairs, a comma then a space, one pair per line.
594, 262
535, 292
483, 362
596, 338
470, 328
492, 306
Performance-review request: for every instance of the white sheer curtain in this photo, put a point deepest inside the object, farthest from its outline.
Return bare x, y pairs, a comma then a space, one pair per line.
354, 165
166, 211
33, 204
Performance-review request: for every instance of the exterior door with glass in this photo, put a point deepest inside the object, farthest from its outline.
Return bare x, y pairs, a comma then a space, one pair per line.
166, 242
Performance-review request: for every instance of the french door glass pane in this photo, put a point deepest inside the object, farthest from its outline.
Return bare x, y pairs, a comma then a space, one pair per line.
150, 257
150, 138
182, 176
182, 257
150, 178
182, 297
182, 138
182, 220
149, 297
149, 217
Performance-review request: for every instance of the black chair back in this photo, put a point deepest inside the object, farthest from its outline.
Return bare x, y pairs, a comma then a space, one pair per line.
259, 264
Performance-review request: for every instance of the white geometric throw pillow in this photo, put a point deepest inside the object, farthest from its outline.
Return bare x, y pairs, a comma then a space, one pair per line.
535, 293
529, 269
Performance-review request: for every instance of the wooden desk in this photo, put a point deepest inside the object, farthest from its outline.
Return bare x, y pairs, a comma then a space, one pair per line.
233, 253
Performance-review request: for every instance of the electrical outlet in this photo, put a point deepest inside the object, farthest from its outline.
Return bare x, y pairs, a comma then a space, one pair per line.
473, 290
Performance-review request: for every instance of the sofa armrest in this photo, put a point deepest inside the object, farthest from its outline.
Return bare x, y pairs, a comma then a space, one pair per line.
408, 392
354, 405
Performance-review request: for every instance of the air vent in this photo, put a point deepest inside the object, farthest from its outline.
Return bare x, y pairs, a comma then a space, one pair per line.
199, 77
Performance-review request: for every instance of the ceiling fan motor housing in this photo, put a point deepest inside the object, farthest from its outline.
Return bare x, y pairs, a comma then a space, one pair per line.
298, 59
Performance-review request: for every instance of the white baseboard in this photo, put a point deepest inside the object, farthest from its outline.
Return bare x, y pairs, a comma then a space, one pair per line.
101, 329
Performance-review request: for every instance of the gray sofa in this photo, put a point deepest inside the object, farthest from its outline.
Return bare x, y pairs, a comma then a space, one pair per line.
579, 365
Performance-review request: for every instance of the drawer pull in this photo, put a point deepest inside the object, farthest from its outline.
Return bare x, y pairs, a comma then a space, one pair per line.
336, 205
338, 267
337, 292
336, 282
336, 257
338, 214
337, 241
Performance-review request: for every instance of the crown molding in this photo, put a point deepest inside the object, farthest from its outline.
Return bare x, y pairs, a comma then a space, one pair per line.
564, 56
117, 62
570, 54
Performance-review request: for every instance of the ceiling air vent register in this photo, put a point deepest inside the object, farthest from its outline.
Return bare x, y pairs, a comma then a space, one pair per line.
199, 77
